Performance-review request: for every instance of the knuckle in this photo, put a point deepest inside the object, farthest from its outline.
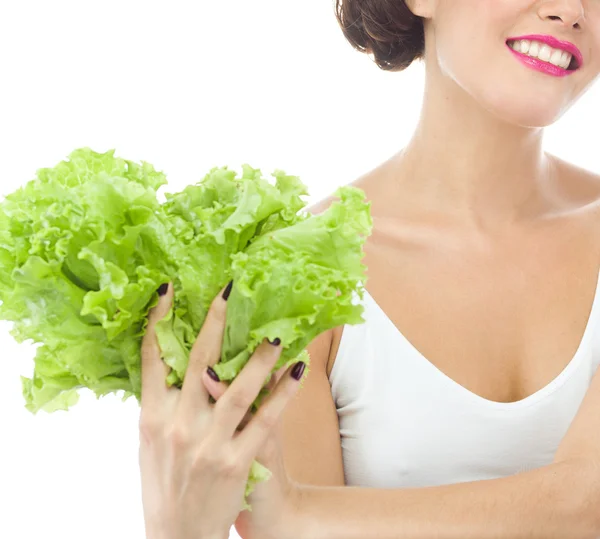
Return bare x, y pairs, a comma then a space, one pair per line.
179, 436
230, 466
150, 429
266, 420
204, 460
224, 464
238, 400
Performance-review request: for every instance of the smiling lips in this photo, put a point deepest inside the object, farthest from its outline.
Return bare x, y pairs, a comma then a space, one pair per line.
546, 54
535, 49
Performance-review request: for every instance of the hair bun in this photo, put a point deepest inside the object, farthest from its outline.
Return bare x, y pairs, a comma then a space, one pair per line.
387, 29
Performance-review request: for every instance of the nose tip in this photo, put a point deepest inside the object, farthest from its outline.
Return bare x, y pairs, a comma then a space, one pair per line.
567, 21
570, 13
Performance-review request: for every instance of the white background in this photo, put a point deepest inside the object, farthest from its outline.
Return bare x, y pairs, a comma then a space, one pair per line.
185, 86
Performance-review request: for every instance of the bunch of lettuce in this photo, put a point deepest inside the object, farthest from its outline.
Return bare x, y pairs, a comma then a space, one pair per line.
85, 245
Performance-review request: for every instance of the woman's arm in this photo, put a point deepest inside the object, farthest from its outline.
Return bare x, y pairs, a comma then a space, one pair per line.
312, 450
561, 500
554, 501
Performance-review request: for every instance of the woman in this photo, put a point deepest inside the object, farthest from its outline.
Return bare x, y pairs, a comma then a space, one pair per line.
468, 404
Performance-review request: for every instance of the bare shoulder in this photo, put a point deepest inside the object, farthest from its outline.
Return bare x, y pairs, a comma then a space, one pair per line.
579, 187
584, 174
573, 168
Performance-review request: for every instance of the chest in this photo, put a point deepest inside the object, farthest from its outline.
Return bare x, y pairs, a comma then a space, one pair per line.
501, 320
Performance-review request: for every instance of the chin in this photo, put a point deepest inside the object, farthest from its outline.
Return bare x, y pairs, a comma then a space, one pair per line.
519, 109
529, 114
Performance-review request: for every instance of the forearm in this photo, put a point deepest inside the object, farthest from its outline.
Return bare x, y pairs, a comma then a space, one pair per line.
553, 501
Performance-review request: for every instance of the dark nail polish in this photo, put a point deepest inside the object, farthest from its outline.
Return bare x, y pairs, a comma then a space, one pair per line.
275, 342
298, 370
162, 289
213, 374
227, 290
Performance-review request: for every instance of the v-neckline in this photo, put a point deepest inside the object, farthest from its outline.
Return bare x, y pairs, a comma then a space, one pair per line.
527, 401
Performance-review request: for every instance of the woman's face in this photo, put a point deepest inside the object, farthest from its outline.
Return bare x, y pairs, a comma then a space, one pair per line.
467, 41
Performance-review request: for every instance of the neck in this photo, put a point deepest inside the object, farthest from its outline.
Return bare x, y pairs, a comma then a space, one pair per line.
464, 160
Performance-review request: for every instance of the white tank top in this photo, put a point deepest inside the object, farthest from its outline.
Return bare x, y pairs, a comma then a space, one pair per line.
404, 423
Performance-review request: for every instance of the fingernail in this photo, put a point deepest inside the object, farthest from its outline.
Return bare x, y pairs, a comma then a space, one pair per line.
162, 289
275, 342
227, 290
298, 370
210, 371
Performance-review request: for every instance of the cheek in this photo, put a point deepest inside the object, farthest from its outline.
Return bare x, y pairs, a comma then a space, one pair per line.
490, 75
518, 96
468, 35
470, 50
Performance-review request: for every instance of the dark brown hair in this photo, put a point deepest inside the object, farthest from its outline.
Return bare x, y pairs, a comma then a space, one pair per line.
387, 29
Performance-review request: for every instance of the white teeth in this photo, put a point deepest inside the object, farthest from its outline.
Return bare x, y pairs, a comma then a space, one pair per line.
545, 53
535, 49
556, 57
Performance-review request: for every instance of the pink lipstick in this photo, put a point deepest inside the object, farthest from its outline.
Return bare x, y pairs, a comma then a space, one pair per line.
547, 67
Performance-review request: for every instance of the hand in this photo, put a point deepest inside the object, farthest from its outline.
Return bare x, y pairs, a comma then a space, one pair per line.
194, 463
273, 502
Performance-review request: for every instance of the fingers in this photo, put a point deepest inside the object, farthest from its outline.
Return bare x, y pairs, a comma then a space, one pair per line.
231, 408
255, 434
217, 389
154, 369
205, 352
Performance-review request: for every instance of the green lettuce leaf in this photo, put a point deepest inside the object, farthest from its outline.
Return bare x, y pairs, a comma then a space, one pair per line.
85, 245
